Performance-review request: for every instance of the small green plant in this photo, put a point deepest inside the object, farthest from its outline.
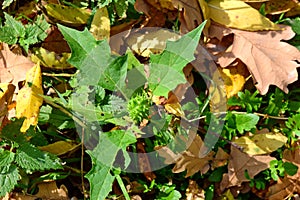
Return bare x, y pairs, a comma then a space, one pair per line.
14, 32
19, 156
246, 100
138, 107
278, 168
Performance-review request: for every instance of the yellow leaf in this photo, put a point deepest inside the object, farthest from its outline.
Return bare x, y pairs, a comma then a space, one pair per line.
238, 14
174, 108
68, 15
29, 99
261, 143
217, 92
100, 27
60, 147
234, 78
204, 9
51, 59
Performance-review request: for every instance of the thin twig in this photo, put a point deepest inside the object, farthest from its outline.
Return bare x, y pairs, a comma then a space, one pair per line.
82, 164
58, 75
237, 112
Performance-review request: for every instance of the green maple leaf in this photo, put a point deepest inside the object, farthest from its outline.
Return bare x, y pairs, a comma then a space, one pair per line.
103, 158
166, 68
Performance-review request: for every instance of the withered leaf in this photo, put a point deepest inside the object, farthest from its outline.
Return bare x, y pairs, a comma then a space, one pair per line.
13, 67
190, 16
193, 159
270, 60
239, 162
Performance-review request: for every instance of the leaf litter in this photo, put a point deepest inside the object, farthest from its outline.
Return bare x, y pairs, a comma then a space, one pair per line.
243, 43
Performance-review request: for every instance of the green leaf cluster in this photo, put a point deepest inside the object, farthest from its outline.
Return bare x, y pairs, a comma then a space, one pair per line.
21, 156
102, 76
14, 32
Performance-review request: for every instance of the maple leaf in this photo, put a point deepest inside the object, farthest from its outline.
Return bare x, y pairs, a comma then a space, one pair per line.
269, 60
239, 162
191, 159
13, 67
285, 187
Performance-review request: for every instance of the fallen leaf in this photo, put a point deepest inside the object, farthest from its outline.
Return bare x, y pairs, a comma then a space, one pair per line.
55, 42
13, 67
29, 9
60, 147
47, 191
221, 159
190, 14
116, 29
270, 60
274, 7
6, 96
51, 59
261, 143
192, 159
239, 162
152, 41
100, 27
67, 15
29, 99
234, 77
294, 11
155, 17
193, 192
238, 14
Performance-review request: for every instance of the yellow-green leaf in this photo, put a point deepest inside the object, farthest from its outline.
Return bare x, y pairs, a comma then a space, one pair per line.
100, 27
261, 143
51, 59
68, 15
238, 14
29, 99
60, 147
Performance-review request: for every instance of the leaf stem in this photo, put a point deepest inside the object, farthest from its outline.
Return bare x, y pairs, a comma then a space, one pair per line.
62, 109
122, 186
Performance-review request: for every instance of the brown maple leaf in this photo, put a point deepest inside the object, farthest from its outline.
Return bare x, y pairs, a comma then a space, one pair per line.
239, 162
13, 67
270, 60
193, 159
288, 185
